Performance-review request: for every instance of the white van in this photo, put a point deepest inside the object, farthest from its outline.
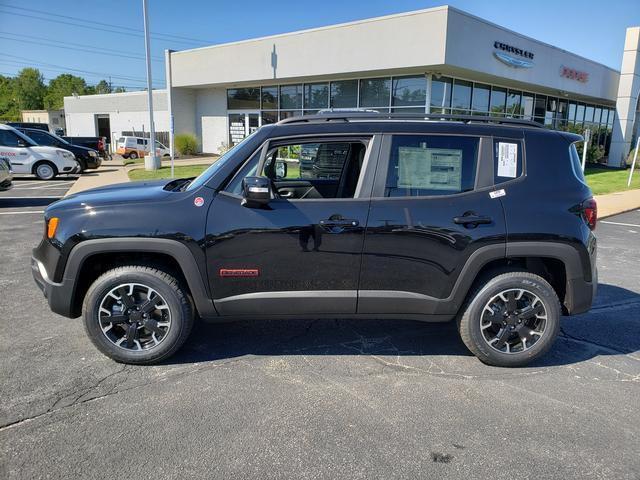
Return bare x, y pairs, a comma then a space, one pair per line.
138, 147
27, 157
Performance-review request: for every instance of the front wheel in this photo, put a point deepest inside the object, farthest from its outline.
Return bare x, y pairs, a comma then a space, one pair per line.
511, 320
45, 171
137, 315
133, 155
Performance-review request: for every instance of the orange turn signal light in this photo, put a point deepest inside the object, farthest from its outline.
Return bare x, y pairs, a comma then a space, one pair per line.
52, 226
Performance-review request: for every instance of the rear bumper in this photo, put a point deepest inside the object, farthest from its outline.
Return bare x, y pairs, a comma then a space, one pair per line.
58, 295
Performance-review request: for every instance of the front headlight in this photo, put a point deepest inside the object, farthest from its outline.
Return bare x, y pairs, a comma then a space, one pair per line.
92, 153
65, 154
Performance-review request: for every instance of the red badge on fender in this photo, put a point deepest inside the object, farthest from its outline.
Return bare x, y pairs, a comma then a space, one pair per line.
198, 201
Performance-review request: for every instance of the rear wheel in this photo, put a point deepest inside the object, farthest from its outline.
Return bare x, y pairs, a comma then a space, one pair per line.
511, 320
137, 315
45, 170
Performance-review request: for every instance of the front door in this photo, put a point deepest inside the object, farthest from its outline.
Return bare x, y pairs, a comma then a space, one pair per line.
301, 253
241, 125
432, 208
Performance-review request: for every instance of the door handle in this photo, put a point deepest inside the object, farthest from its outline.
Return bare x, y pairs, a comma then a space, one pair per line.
344, 222
472, 220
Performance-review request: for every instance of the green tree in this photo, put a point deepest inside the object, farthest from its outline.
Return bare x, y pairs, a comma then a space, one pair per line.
63, 85
119, 90
9, 110
29, 89
103, 87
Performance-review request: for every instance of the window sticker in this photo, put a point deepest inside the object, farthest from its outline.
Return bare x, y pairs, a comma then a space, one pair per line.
430, 168
507, 159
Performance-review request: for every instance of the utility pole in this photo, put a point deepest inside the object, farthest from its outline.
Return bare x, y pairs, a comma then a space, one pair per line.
150, 162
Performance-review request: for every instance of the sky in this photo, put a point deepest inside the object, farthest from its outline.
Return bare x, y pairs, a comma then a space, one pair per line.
89, 40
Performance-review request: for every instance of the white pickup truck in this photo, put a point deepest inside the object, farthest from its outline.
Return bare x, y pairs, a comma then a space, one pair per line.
27, 157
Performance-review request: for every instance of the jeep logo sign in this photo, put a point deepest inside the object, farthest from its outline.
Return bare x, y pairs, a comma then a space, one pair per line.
574, 74
503, 53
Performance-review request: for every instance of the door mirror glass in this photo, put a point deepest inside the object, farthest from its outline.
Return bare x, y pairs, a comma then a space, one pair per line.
22, 143
256, 191
281, 169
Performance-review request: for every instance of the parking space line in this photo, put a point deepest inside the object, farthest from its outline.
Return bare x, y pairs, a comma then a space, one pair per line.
21, 213
621, 224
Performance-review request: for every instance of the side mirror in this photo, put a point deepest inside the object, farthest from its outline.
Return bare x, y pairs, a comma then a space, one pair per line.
281, 169
21, 143
256, 191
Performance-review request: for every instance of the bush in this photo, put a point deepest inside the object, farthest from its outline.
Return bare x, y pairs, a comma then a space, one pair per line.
186, 144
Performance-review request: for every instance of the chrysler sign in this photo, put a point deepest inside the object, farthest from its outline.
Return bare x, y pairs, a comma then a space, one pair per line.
512, 56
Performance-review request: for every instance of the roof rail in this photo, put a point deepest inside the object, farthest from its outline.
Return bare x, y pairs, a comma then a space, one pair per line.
347, 116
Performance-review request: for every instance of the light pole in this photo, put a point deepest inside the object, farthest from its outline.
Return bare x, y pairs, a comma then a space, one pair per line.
152, 163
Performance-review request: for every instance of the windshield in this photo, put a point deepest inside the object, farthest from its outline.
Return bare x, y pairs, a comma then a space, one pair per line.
218, 164
28, 141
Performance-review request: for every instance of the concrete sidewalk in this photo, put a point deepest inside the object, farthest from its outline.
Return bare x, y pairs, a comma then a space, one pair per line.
107, 174
618, 202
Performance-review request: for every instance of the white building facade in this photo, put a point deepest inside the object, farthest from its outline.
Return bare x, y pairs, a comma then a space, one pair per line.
439, 60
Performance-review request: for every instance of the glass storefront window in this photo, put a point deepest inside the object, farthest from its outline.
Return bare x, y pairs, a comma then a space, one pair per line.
408, 110
269, 97
316, 95
612, 114
289, 113
344, 94
461, 98
375, 92
580, 114
550, 112
588, 114
513, 103
572, 112
480, 98
562, 113
409, 91
498, 100
290, 97
269, 116
540, 107
243, 98
527, 104
597, 115
440, 95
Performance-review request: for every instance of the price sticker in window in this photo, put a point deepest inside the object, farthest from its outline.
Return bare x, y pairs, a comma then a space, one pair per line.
507, 159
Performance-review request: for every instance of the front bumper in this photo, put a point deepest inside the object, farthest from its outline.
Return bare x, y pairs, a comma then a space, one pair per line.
93, 162
58, 295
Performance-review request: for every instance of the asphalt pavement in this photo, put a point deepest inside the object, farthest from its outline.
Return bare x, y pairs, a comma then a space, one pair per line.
316, 399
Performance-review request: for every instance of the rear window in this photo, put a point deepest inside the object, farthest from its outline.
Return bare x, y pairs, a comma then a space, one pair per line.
576, 163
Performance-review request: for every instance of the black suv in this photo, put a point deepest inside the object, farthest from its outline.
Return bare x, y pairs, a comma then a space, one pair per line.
86, 157
487, 221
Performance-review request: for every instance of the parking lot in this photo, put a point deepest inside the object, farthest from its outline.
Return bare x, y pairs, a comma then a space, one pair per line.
315, 399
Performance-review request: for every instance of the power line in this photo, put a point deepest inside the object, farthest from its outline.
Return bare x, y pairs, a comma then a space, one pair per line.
93, 27
94, 22
136, 88
96, 52
53, 69
117, 52
30, 62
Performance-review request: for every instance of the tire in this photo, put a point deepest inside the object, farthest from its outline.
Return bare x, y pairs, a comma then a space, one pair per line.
45, 170
151, 342
133, 155
504, 336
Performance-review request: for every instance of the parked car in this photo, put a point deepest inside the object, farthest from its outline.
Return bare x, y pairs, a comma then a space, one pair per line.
27, 157
138, 147
6, 174
39, 126
484, 220
86, 157
95, 143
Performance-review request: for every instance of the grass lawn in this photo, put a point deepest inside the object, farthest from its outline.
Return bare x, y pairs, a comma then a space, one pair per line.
132, 161
608, 181
184, 171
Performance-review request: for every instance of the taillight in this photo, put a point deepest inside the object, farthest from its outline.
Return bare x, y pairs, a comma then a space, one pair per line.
590, 212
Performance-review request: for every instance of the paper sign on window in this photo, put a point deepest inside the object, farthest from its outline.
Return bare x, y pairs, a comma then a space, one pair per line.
430, 168
507, 159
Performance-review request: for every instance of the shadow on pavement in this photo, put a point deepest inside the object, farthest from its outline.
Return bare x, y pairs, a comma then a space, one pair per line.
27, 202
599, 332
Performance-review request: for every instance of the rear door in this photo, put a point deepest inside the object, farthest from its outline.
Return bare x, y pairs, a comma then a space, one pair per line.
301, 253
432, 208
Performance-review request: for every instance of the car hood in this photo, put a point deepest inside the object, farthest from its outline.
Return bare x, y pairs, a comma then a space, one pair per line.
47, 150
114, 194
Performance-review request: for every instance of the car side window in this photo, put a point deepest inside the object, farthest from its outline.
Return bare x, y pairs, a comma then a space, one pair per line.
309, 161
8, 138
426, 165
39, 138
139, 141
247, 170
507, 159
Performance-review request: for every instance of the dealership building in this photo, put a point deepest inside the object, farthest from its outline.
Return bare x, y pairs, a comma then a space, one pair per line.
439, 60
